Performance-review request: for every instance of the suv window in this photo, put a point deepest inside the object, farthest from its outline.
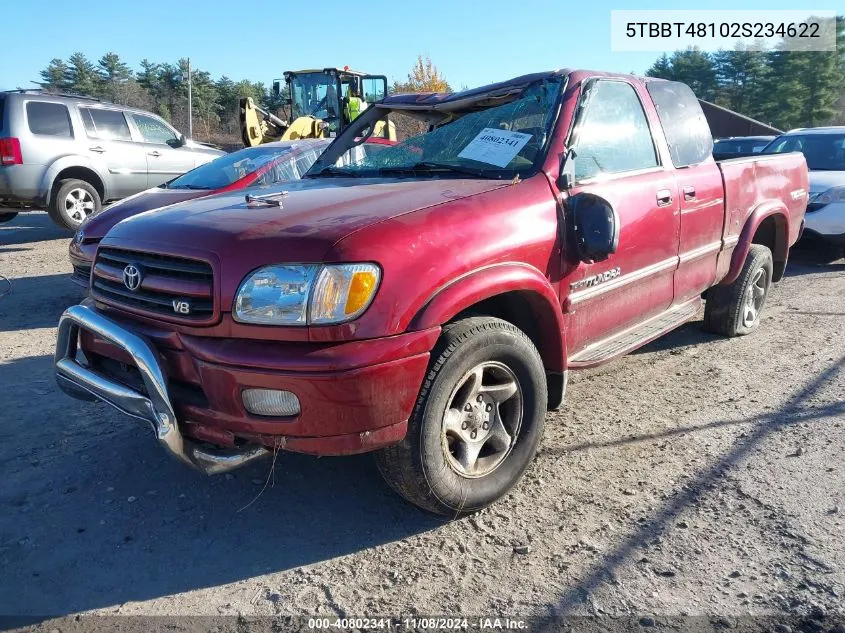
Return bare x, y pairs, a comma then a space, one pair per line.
2, 108
109, 125
612, 134
51, 119
153, 131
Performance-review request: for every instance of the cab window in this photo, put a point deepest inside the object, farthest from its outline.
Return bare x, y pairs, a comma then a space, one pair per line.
612, 134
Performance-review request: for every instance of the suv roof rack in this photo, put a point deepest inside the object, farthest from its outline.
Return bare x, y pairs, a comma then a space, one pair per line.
52, 93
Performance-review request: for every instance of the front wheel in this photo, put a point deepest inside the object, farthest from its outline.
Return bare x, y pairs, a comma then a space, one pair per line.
477, 422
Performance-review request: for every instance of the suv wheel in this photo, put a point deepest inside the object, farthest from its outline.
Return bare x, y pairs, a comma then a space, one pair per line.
477, 422
74, 202
7, 217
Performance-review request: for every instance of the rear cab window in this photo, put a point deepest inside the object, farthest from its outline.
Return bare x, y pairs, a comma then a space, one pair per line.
682, 119
108, 125
48, 119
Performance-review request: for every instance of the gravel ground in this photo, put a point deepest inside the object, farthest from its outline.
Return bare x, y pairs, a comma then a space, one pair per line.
697, 477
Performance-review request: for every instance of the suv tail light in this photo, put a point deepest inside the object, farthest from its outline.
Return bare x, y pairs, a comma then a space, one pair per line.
10, 152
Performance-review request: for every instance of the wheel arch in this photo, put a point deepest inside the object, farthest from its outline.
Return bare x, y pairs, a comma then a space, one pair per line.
516, 293
63, 169
767, 225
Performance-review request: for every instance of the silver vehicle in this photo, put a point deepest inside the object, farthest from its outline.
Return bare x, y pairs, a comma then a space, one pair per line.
70, 154
824, 149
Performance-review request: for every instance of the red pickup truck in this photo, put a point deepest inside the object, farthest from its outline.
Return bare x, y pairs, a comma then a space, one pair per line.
426, 302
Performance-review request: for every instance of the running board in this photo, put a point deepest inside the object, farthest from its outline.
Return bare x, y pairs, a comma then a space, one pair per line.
637, 336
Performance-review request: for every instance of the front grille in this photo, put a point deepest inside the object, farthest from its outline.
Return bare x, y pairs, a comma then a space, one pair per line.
82, 273
165, 282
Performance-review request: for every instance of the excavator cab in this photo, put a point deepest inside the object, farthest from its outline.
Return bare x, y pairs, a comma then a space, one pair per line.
322, 103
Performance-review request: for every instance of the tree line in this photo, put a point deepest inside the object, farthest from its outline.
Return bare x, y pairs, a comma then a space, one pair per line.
161, 88
786, 89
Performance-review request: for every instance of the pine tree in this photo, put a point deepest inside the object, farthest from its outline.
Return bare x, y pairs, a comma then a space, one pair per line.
114, 76
54, 77
82, 76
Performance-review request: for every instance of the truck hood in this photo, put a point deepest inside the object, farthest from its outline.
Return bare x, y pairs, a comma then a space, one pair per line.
821, 181
315, 214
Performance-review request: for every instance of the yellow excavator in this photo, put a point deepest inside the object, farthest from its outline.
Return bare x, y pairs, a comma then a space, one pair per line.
320, 103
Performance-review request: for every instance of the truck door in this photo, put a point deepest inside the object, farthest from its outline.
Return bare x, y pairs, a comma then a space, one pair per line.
617, 159
701, 192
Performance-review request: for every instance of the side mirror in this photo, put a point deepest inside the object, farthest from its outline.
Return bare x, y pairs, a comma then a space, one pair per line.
566, 177
595, 227
277, 89
181, 141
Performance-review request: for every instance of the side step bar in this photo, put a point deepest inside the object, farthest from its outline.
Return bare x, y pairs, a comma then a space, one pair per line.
628, 340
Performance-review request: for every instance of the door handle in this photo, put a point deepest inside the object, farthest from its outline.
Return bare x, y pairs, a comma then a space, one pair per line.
155, 153
664, 198
689, 193
97, 149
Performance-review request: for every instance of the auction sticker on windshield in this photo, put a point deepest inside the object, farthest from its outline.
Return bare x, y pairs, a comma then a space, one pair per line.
495, 147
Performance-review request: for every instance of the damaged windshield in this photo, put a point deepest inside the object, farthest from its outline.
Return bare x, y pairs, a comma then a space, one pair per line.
495, 142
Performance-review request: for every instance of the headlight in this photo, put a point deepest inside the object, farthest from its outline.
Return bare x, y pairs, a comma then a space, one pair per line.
305, 294
834, 194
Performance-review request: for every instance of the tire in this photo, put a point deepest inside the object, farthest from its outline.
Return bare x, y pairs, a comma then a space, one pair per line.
734, 309
433, 467
7, 217
74, 202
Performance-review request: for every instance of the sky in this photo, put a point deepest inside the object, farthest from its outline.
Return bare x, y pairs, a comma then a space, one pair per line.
472, 42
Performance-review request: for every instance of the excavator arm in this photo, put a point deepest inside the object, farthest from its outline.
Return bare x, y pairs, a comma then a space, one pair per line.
258, 125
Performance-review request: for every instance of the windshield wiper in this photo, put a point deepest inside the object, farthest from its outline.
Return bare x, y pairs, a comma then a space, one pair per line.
331, 170
429, 166
195, 187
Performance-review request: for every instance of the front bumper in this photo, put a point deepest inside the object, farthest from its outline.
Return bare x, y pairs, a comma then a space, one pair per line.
82, 259
153, 406
828, 221
354, 396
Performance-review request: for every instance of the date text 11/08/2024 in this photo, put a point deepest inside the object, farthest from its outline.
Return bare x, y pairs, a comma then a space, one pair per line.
419, 623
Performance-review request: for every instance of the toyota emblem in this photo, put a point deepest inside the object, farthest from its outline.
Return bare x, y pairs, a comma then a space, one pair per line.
132, 277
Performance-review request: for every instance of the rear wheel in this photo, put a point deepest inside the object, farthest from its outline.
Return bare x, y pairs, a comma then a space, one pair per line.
7, 217
477, 422
74, 202
734, 309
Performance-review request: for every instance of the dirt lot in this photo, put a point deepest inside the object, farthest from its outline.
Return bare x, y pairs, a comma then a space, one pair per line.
699, 476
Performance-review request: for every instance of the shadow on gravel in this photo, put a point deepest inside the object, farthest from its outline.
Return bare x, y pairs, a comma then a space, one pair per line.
37, 302
809, 261
96, 514
31, 226
791, 413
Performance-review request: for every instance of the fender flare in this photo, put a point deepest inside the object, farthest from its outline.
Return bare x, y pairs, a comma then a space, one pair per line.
494, 280
768, 209
64, 162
